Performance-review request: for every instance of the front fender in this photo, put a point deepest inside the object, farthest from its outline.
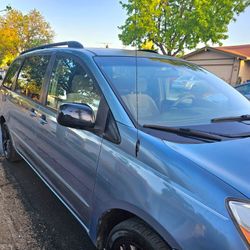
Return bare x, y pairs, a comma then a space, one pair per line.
182, 202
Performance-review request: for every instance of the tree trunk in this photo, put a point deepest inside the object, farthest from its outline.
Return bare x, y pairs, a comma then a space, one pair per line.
162, 49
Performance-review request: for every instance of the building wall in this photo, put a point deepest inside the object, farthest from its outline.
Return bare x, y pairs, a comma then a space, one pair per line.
221, 64
244, 73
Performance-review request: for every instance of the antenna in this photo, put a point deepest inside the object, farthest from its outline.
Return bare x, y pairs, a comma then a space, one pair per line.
137, 147
107, 45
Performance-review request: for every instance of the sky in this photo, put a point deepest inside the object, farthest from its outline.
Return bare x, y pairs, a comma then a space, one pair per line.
95, 23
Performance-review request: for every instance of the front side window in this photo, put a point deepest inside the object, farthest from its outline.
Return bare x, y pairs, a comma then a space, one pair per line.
10, 76
31, 76
71, 83
171, 92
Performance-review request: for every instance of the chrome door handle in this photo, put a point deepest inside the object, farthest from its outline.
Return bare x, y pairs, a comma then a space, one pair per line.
33, 112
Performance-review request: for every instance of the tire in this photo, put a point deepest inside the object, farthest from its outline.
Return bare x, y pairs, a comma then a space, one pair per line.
134, 234
8, 149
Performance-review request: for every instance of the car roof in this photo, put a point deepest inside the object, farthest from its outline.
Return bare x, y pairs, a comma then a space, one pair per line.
123, 52
108, 52
102, 52
75, 48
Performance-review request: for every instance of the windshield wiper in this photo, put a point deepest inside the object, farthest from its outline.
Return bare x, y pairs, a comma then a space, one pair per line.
232, 119
185, 132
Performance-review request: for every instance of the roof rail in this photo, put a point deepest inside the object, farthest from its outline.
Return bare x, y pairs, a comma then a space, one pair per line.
70, 44
148, 50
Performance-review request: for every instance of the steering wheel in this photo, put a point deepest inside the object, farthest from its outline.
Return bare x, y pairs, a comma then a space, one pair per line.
183, 99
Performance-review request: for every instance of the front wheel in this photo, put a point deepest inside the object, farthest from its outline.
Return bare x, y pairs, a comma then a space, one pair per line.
134, 234
8, 149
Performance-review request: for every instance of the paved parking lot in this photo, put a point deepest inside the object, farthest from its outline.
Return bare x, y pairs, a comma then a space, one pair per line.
31, 217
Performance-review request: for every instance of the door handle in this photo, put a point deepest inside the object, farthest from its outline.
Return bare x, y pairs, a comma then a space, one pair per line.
32, 112
43, 119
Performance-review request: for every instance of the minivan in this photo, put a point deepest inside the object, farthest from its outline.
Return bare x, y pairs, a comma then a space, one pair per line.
148, 152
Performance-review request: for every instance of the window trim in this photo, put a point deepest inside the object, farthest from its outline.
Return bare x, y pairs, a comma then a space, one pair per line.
47, 78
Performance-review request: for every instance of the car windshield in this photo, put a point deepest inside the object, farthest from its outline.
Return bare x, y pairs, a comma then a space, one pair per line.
171, 92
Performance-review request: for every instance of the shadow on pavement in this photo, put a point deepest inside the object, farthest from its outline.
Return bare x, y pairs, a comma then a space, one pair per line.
50, 223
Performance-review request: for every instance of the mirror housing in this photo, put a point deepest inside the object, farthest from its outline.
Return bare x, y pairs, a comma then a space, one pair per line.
76, 115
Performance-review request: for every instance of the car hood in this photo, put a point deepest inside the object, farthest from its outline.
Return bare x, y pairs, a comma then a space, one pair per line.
228, 160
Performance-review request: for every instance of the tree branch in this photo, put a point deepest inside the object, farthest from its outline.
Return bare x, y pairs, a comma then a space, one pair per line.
180, 47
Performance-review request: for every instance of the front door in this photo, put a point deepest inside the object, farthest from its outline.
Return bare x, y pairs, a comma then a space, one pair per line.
70, 155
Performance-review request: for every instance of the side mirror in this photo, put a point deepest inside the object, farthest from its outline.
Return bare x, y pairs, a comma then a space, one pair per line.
76, 115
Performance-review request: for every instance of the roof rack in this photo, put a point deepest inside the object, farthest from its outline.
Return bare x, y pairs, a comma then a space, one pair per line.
148, 50
70, 44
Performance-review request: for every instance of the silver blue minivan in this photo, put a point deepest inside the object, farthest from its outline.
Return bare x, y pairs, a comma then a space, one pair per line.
148, 152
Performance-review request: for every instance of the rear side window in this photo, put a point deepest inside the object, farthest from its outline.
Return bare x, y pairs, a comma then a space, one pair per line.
71, 83
31, 76
10, 76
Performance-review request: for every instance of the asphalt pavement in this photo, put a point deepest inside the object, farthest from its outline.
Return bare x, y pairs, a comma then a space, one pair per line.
31, 217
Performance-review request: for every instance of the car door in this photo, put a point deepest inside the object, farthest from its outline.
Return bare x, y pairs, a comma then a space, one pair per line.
6, 91
70, 156
25, 101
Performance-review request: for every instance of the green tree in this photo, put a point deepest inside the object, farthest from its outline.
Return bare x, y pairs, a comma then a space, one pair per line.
173, 25
19, 32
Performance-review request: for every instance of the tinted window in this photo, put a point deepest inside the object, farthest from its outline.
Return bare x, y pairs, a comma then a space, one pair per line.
10, 76
31, 76
71, 83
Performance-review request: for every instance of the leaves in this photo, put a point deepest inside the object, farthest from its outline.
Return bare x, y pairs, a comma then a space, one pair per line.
173, 25
19, 32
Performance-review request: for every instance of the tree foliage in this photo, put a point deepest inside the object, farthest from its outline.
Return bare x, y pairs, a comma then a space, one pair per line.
19, 32
173, 25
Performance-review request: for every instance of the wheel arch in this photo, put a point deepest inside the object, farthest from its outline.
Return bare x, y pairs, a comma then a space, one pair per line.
114, 216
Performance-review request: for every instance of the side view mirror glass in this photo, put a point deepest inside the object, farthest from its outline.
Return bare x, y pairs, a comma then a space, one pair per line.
76, 115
